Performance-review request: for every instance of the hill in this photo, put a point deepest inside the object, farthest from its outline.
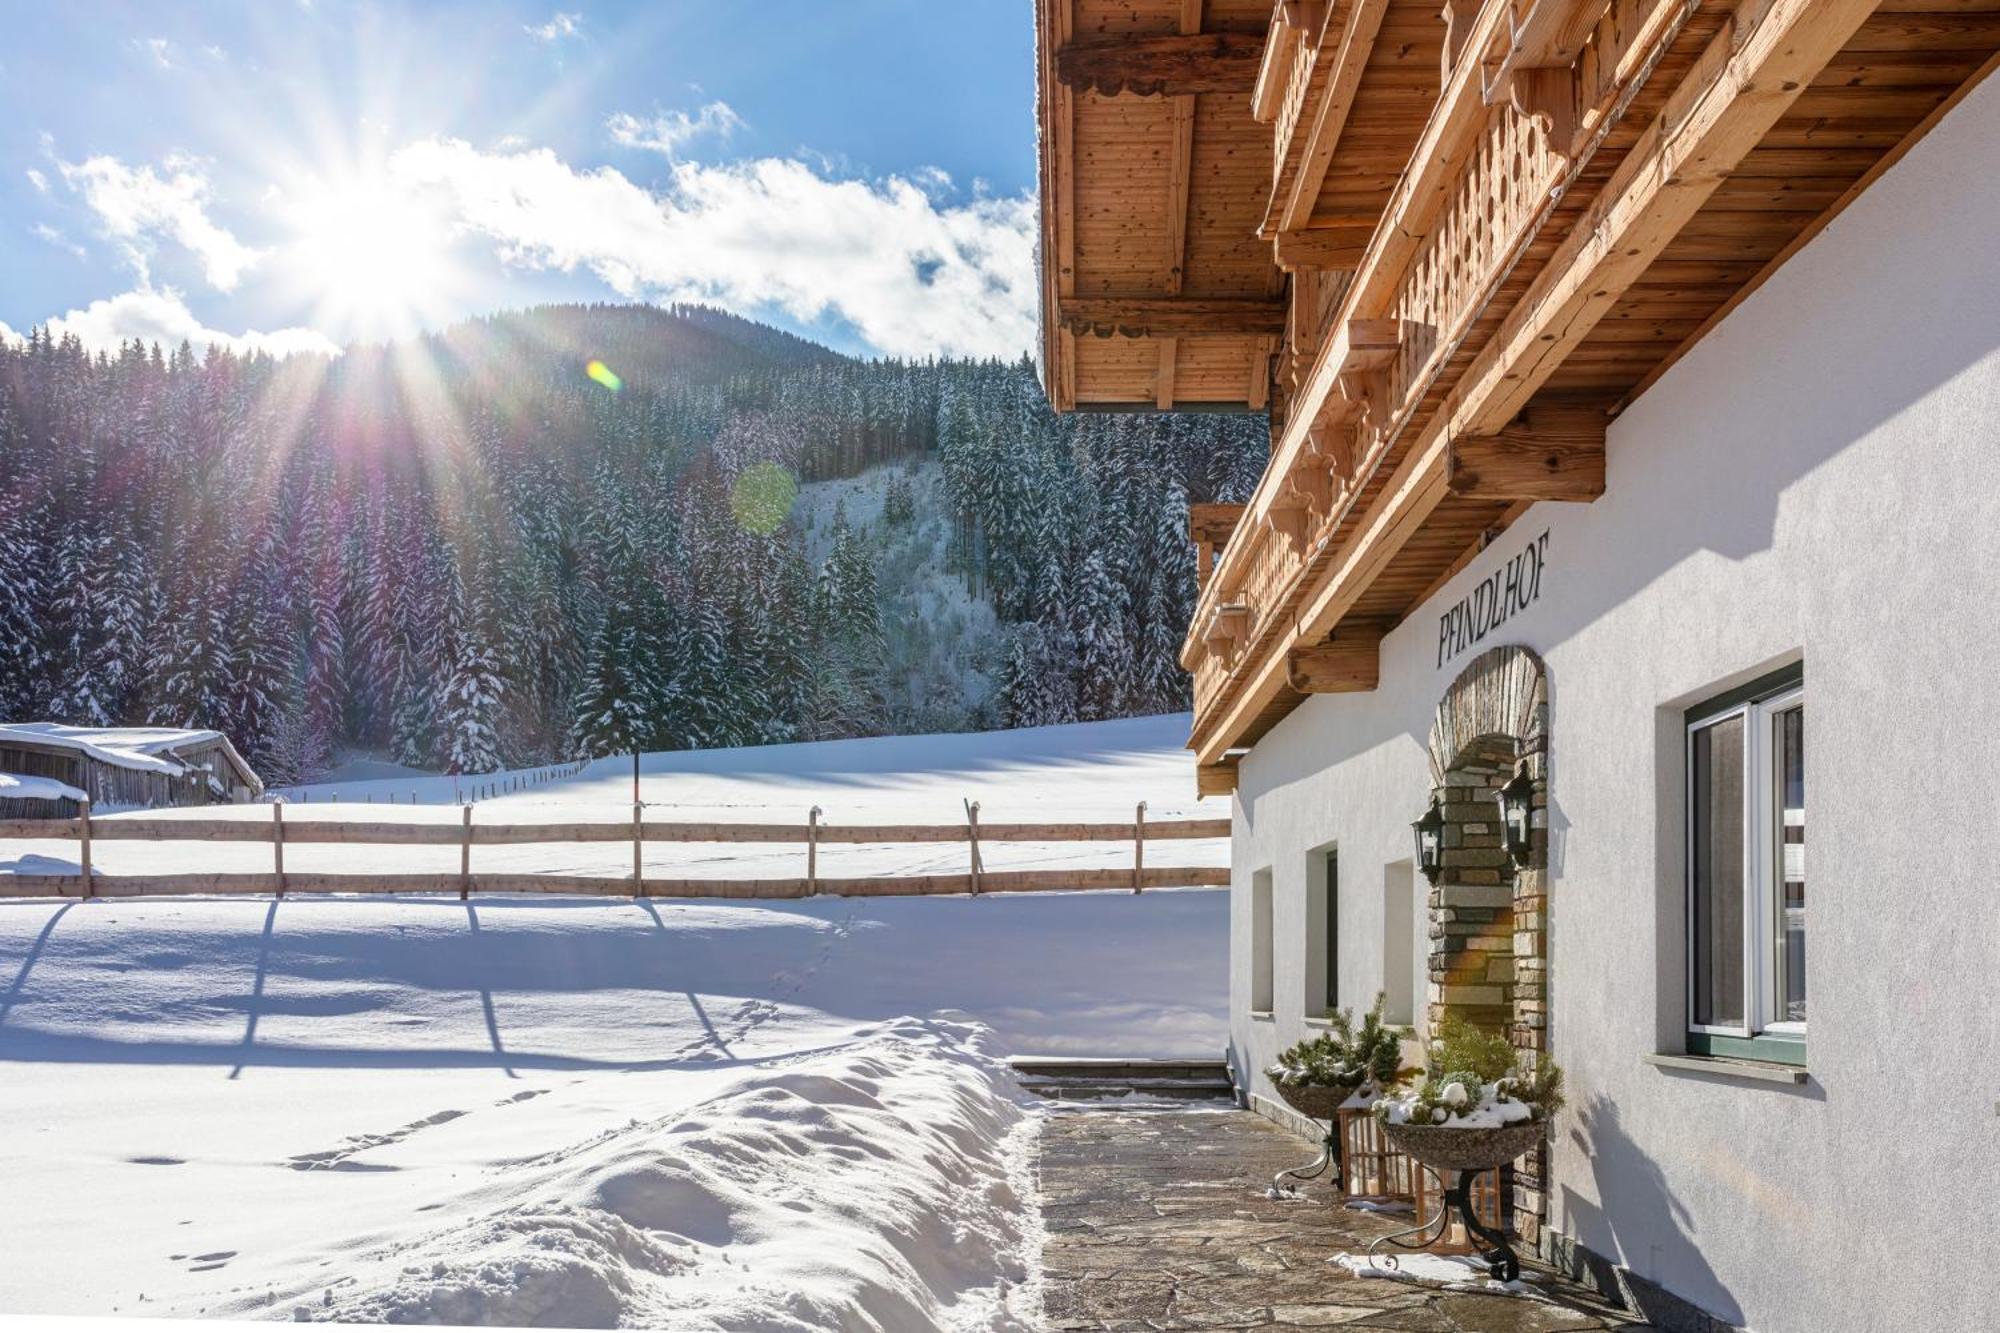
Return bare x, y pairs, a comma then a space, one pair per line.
578, 530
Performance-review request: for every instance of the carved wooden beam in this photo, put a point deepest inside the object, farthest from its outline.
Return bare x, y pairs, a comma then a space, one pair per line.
1230, 622
1169, 64
1539, 34
1551, 451
1168, 317
1290, 519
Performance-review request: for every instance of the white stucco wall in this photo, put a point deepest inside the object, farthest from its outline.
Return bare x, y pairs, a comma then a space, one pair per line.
1820, 478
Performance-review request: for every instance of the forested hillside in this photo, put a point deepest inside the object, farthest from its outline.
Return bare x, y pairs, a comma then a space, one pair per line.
575, 529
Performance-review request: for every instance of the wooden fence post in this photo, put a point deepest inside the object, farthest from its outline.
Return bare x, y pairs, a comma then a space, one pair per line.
278, 842
638, 838
812, 853
972, 828
89, 890
465, 854
1139, 849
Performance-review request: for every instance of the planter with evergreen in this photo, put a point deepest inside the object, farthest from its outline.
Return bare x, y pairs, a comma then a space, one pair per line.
1341, 1067
1478, 1107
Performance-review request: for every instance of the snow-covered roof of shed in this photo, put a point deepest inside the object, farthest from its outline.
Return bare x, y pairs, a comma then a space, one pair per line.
20, 787
124, 747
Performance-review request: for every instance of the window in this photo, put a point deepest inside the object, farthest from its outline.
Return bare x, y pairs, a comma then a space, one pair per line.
1261, 988
1746, 884
1322, 971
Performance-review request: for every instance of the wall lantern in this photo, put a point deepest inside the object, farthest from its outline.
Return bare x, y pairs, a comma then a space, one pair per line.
1517, 816
1430, 841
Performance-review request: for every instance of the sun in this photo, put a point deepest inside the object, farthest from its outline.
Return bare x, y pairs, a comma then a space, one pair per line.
371, 254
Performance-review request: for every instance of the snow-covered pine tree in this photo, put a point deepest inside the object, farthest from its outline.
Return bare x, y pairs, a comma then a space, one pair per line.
1097, 631
473, 688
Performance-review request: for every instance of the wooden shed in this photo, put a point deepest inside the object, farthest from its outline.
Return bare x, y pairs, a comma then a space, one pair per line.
138, 767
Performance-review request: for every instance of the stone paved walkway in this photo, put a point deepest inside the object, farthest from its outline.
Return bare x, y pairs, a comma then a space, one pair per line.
1158, 1220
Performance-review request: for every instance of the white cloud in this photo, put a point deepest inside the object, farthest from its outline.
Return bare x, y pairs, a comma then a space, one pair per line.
559, 26
54, 237
38, 180
136, 204
912, 274
161, 50
8, 335
667, 131
158, 315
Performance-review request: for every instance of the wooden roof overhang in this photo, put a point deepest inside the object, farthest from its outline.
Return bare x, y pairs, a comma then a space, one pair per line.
1595, 184
1156, 292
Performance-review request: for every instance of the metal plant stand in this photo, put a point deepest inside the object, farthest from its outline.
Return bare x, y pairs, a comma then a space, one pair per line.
1329, 1157
1499, 1257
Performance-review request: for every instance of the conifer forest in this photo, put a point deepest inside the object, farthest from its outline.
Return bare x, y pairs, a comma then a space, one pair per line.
584, 530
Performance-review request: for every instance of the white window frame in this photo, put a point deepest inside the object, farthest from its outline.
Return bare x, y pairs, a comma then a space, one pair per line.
1763, 835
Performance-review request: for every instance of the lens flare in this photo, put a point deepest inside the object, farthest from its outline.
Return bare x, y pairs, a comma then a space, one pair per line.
604, 375
762, 498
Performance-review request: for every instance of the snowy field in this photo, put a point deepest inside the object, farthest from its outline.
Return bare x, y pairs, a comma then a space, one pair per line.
591, 1112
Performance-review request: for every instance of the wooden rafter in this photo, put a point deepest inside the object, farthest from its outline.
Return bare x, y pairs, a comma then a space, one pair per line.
1322, 136
1339, 247
1179, 316
1168, 64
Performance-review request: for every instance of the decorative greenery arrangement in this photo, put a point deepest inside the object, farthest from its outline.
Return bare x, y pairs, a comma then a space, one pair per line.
1475, 1079
1341, 1057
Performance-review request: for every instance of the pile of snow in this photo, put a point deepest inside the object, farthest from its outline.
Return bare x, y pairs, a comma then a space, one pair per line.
883, 1184
587, 1111
21, 787
1456, 1272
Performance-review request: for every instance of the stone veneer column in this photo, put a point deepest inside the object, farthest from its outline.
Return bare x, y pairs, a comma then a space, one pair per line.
1488, 919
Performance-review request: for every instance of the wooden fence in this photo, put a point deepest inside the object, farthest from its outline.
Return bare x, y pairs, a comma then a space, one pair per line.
467, 834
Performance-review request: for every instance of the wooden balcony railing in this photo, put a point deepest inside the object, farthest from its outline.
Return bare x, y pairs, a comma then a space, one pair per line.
1507, 138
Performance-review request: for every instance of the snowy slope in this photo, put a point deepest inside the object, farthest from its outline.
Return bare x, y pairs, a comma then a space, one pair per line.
587, 1112
944, 643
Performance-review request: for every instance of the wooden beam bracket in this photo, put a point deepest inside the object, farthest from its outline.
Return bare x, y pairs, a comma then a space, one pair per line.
1549, 452
1217, 779
1342, 666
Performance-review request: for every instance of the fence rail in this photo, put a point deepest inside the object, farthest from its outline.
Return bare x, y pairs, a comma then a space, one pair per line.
466, 834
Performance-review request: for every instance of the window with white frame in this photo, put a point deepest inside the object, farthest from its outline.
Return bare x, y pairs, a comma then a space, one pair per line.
1746, 885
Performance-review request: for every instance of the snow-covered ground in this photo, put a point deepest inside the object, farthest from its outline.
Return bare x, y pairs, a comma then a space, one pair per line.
590, 1112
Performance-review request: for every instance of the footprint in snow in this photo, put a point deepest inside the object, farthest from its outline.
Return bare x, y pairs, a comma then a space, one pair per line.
157, 1161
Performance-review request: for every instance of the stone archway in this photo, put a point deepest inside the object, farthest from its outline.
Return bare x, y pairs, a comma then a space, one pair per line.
1488, 917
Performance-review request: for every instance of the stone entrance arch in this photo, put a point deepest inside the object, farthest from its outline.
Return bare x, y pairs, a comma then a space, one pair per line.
1488, 917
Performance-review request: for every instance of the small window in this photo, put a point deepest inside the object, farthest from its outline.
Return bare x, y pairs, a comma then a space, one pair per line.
1261, 985
1399, 936
1746, 883
1322, 933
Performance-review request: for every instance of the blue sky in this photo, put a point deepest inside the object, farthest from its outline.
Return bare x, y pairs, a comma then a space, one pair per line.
304, 173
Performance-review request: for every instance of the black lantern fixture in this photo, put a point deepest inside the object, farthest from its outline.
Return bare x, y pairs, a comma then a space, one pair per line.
1430, 841
1517, 815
